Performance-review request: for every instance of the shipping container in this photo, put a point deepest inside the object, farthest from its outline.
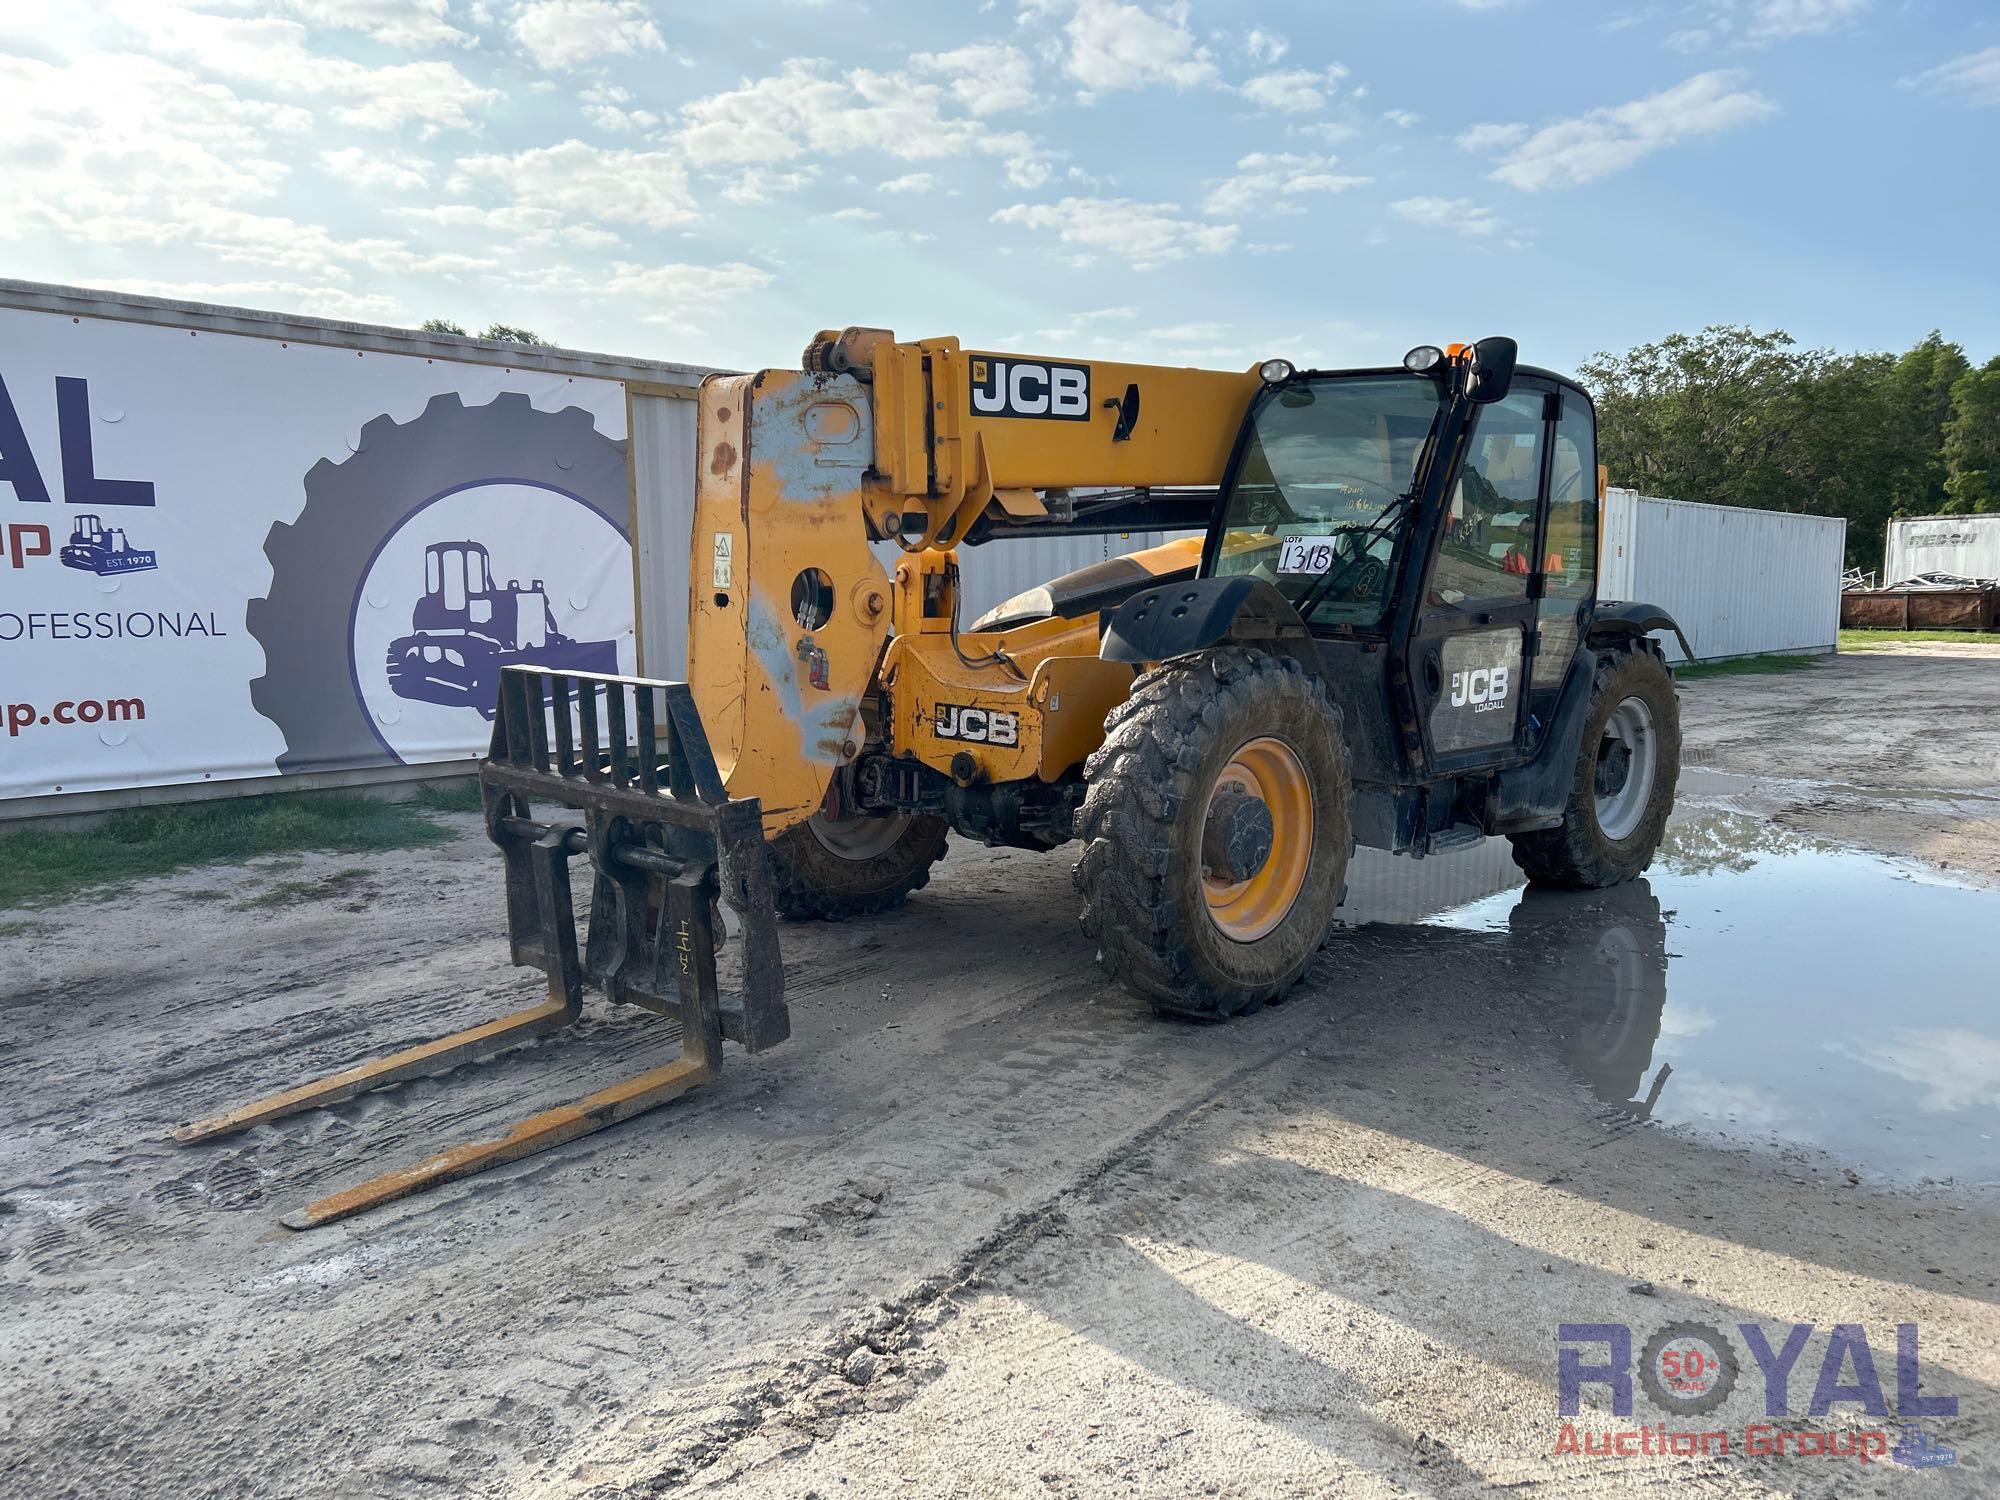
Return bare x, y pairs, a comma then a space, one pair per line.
1739, 582
1964, 546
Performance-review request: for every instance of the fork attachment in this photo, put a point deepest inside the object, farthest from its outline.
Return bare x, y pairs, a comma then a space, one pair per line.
666, 845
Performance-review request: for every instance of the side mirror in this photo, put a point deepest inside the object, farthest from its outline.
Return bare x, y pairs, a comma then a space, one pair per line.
1492, 371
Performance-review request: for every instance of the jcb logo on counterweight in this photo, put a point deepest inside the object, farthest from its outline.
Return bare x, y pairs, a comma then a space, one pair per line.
1030, 388
986, 726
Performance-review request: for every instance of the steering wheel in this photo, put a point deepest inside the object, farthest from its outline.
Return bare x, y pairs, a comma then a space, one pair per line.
1266, 505
1370, 581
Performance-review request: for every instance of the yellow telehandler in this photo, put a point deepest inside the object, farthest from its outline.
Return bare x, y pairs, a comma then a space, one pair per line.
1386, 633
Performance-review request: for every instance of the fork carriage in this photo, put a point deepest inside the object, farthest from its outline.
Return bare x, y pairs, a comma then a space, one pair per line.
666, 846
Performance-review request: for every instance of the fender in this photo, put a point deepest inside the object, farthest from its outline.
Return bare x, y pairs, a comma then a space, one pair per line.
1613, 621
1193, 614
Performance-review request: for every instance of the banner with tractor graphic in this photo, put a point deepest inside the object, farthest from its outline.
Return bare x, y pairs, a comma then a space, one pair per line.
223, 556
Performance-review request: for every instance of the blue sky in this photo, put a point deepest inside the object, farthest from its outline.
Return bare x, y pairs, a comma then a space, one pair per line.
1190, 181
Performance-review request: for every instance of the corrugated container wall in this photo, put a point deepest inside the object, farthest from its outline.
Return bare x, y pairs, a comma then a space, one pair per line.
1001, 569
1739, 582
1968, 546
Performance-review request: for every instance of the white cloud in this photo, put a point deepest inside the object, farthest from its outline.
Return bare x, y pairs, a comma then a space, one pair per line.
395, 23
1460, 215
1975, 76
565, 34
762, 184
857, 215
1142, 235
1327, 132
108, 138
987, 77
1402, 119
1266, 182
274, 296
271, 53
1488, 140
1774, 20
805, 110
678, 293
1111, 44
116, 149
573, 181
390, 171
604, 105
910, 182
1694, 39
1594, 145
1293, 90
1264, 46
1958, 1069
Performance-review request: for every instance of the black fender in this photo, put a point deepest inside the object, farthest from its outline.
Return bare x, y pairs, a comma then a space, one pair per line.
1191, 614
1617, 621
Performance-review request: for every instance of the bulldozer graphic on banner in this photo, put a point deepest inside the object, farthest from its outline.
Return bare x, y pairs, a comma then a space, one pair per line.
96, 548
465, 631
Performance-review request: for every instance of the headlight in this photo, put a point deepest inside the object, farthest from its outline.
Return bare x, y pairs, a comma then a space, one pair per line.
1423, 358
1276, 371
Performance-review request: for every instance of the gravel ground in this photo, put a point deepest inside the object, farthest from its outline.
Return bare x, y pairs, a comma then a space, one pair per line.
984, 1225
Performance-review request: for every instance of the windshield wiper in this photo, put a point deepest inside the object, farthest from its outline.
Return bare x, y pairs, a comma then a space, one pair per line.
1316, 592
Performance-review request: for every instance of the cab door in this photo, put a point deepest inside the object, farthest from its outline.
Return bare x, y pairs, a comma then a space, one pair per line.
1471, 650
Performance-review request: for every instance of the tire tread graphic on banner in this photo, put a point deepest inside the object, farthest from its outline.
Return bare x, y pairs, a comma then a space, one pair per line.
352, 507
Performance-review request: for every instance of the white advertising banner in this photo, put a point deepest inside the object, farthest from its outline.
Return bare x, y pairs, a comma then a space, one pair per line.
225, 556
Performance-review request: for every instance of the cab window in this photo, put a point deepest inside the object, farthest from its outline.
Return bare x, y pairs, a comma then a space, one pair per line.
1487, 551
1570, 544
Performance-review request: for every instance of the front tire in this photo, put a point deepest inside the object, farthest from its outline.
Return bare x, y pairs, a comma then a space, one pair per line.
1622, 787
1216, 825
853, 867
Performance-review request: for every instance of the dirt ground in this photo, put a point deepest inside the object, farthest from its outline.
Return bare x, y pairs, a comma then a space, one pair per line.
984, 1225
1893, 751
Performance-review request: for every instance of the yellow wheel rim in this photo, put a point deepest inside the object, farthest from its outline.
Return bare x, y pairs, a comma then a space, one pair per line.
1268, 770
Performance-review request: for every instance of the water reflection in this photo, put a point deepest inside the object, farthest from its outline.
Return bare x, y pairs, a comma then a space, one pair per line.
1758, 986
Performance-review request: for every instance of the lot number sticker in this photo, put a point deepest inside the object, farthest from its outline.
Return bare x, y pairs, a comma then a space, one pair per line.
1305, 554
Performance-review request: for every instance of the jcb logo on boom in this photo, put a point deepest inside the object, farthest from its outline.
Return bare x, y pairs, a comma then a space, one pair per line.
986, 726
1030, 388
1485, 688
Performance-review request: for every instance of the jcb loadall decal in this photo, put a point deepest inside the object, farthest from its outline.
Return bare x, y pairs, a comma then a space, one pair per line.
1029, 388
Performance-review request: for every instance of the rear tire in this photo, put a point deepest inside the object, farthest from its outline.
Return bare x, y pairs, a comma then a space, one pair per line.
1192, 742
1612, 824
856, 867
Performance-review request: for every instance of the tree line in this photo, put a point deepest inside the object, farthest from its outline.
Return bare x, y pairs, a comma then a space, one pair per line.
1732, 416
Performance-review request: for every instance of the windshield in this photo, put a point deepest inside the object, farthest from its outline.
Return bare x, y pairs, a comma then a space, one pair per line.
1318, 499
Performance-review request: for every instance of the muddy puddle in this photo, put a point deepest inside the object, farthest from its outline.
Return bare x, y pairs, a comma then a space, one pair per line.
1755, 987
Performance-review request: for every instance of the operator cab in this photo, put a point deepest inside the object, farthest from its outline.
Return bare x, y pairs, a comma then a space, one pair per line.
1435, 528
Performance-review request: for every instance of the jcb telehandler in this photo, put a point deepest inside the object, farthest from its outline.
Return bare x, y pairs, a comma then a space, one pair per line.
1387, 634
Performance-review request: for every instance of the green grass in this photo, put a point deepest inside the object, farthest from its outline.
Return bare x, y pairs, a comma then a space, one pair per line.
40, 867
449, 796
1888, 640
1745, 666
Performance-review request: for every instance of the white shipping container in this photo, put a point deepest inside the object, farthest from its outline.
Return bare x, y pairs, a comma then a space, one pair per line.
998, 570
1968, 546
1739, 582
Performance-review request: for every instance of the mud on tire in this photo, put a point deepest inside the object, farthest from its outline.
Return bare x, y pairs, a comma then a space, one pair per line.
812, 879
1578, 854
1141, 824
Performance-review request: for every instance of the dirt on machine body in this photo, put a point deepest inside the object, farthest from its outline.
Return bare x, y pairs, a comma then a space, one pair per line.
1387, 635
